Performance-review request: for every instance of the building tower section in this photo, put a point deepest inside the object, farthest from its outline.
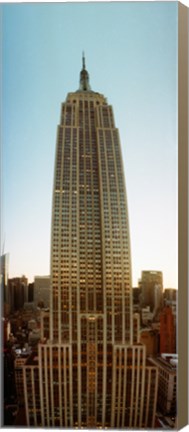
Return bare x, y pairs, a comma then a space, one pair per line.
90, 256
90, 373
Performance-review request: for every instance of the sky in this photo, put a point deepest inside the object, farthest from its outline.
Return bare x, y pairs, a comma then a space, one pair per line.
131, 57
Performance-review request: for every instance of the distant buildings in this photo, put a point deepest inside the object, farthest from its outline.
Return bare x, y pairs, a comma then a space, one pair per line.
151, 285
17, 293
136, 299
42, 291
4, 263
162, 319
30, 292
170, 296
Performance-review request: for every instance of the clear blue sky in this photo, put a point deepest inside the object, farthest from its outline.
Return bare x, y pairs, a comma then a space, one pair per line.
131, 56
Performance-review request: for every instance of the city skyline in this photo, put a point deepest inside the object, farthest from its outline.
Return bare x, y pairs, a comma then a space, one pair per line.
138, 75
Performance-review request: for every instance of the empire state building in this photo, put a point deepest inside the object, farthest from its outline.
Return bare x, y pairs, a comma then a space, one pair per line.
91, 370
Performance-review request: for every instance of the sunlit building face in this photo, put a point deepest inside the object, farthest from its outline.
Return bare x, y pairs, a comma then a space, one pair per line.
90, 373
90, 256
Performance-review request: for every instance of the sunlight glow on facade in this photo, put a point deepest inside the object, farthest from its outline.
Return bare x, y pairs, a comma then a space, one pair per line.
92, 370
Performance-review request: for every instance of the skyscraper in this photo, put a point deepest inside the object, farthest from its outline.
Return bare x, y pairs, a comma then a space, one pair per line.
151, 284
90, 372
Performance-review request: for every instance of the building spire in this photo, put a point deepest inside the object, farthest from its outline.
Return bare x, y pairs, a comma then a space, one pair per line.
83, 59
84, 77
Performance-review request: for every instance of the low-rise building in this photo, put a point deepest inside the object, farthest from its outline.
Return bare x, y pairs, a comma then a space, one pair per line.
21, 356
34, 336
150, 338
146, 315
167, 386
45, 319
31, 384
32, 324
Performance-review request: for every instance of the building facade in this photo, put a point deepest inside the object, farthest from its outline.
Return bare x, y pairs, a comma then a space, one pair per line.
150, 338
30, 292
42, 291
151, 285
167, 331
17, 292
92, 371
170, 299
167, 383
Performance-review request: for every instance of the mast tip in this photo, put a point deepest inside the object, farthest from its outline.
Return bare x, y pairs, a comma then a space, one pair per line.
83, 59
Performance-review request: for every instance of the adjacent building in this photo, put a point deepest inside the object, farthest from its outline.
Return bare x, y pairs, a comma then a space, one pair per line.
151, 284
150, 338
92, 371
167, 331
21, 357
167, 386
17, 293
42, 291
170, 299
136, 299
